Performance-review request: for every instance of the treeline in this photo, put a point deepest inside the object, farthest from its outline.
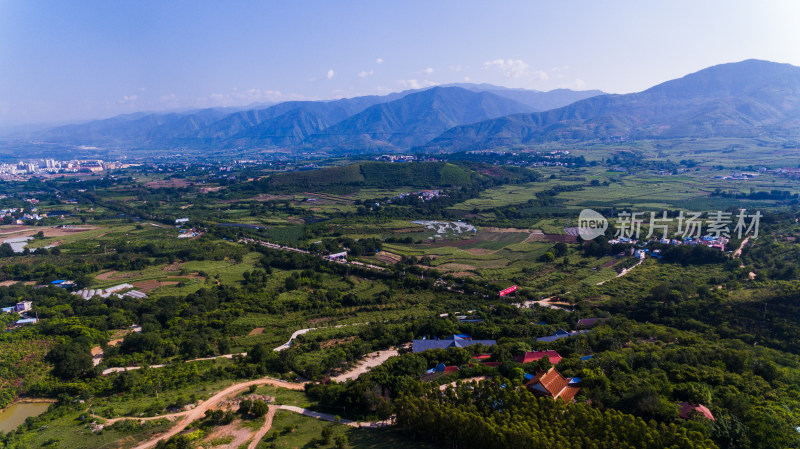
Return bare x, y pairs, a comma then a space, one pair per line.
784, 196
499, 414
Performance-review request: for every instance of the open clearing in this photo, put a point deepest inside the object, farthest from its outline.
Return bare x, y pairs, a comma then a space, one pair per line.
152, 284
48, 231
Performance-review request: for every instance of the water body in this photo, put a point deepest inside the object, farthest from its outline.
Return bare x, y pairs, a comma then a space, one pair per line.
12, 416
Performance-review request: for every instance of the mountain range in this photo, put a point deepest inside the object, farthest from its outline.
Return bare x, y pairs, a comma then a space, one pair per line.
749, 99
391, 122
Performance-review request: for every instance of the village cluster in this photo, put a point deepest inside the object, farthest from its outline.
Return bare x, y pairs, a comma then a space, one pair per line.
549, 383
20, 170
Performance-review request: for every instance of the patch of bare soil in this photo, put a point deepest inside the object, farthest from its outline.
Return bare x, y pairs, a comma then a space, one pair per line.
391, 258
407, 230
256, 331
25, 231
319, 320
554, 238
295, 220
115, 275
609, 263
480, 251
505, 230
336, 342
236, 429
456, 267
7, 283
176, 266
13, 229
106, 275
152, 284
166, 183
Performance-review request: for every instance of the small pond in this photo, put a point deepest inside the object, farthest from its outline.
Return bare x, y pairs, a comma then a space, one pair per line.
14, 415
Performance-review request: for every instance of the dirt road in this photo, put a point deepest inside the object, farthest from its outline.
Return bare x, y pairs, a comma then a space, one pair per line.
264, 428
738, 252
200, 411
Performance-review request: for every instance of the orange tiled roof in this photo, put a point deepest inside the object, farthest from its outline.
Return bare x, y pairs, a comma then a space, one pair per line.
553, 384
528, 357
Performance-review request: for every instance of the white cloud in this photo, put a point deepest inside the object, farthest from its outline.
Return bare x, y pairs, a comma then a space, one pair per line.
416, 84
330, 74
429, 70
239, 97
379, 61
541, 74
128, 98
513, 68
467, 79
364, 73
458, 68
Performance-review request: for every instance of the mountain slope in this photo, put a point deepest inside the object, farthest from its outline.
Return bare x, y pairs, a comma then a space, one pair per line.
749, 99
413, 119
140, 127
285, 123
538, 100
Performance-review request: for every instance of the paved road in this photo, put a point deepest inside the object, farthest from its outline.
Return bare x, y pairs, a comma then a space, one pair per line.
296, 334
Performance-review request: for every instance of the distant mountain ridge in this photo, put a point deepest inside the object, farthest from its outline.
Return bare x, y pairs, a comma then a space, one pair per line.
414, 119
303, 124
538, 100
749, 99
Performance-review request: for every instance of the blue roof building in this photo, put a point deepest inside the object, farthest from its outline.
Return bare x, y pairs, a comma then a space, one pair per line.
454, 341
561, 333
27, 321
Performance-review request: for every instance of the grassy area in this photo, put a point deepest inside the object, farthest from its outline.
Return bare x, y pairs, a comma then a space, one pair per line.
74, 430
291, 430
286, 397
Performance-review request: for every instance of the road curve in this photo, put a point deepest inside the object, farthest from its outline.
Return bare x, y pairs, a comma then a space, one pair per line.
199, 411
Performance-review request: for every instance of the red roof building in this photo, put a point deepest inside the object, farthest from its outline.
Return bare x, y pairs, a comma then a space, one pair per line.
552, 384
687, 410
529, 357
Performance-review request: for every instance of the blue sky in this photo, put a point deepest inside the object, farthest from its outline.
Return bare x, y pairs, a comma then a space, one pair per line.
62, 61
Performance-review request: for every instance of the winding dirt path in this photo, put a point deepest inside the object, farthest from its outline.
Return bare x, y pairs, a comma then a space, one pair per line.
370, 361
738, 252
624, 271
119, 369
198, 412
264, 428
296, 334
189, 416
